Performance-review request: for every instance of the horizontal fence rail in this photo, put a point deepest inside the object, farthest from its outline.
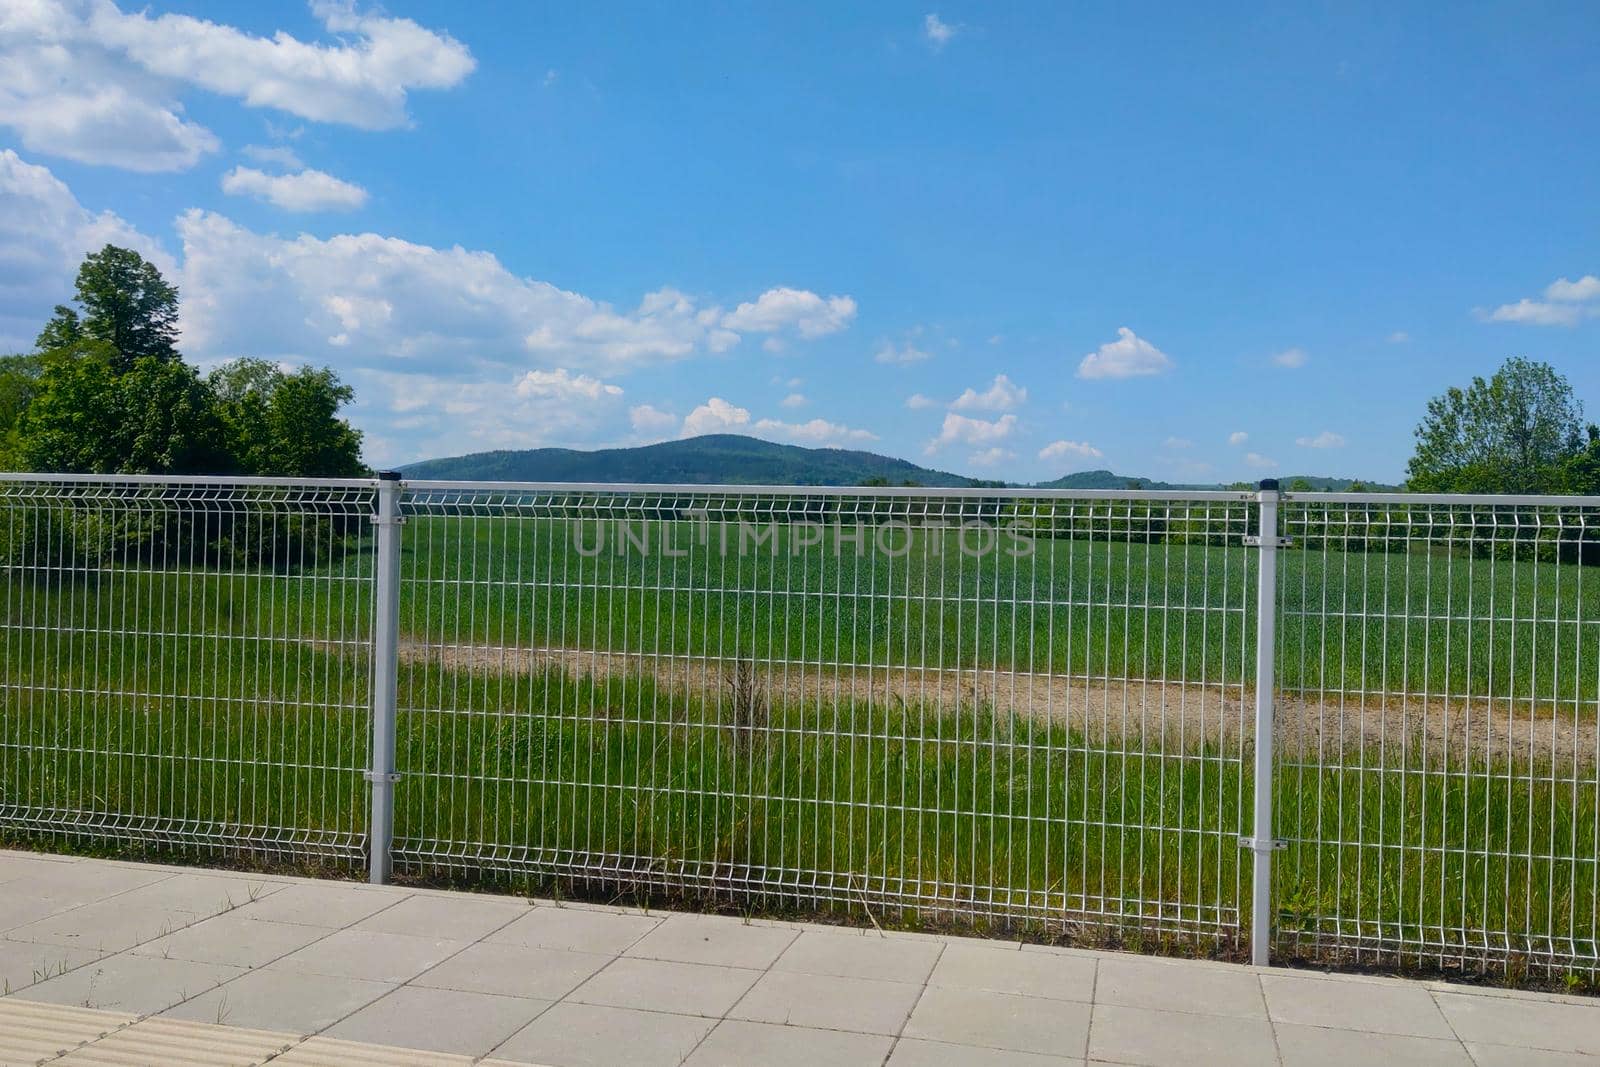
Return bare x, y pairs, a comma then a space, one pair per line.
965, 705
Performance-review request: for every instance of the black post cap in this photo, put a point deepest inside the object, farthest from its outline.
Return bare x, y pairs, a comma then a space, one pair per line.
1269, 483
394, 476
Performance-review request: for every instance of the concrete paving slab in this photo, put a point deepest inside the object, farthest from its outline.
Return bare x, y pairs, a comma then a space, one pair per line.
369, 954
1516, 1056
913, 1052
736, 1043
331, 1052
1170, 1039
23, 963
593, 1035
718, 940
829, 1002
1387, 1008
1002, 969
201, 894
107, 926
1529, 1023
138, 984
514, 970
1179, 985
576, 929
665, 985
267, 999
439, 1020
233, 939
986, 1019
331, 905
453, 918
860, 955
1315, 1046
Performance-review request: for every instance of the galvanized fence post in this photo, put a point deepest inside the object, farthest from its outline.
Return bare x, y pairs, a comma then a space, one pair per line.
385, 674
1262, 843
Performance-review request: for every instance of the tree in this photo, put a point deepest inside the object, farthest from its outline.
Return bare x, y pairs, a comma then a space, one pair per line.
126, 304
157, 418
1511, 434
286, 424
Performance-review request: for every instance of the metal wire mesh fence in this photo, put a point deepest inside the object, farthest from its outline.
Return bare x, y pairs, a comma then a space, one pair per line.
1439, 662
185, 663
953, 705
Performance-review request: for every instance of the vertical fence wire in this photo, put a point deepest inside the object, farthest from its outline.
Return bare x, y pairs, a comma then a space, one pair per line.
185, 663
1437, 777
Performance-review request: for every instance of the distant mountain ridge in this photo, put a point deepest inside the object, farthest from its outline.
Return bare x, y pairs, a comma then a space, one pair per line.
733, 459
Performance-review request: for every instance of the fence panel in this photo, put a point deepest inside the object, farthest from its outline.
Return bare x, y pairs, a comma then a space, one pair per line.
952, 704
186, 662
1438, 662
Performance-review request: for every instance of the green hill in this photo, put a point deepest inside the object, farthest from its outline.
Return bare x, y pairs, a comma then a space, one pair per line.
732, 459
725, 459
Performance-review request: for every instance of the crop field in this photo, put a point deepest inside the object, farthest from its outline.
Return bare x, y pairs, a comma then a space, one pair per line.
1058, 737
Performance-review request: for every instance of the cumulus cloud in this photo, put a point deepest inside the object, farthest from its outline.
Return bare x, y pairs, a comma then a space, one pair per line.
1260, 462
277, 155
917, 402
649, 420
1399, 337
44, 234
92, 83
1062, 449
1129, 356
783, 308
717, 415
1325, 439
1565, 303
906, 353
1238, 437
1292, 358
991, 457
937, 32
1002, 395
794, 400
959, 429
307, 190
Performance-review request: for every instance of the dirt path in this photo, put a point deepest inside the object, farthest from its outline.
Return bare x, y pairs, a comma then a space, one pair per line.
1173, 715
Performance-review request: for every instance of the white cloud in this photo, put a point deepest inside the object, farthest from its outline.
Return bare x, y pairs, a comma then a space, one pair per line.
277, 155
89, 82
1325, 439
1002, 395
1291, 358
937, 32
1238, 437
783, 308
816, 432
307, 190
1062, 449
1129, 356
1257, 460
776, 345
1565, 303
794, 400
917, 402
561, 384
44, 235
959, 429
1399, 337
716, 415
991, 457
906, 353
650, 420
1178, 442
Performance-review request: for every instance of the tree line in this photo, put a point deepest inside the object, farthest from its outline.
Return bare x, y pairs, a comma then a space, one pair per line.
106, 391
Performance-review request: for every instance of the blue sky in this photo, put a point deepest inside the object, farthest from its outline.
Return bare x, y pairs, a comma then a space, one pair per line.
1010, 241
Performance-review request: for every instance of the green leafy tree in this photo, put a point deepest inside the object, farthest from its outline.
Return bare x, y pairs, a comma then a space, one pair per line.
125, 303
287, 424
1513, 433
157, 418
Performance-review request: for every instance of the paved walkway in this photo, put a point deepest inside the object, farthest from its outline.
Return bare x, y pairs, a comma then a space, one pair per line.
120, 963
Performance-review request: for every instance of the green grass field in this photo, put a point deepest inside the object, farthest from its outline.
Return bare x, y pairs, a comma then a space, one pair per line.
217, 707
